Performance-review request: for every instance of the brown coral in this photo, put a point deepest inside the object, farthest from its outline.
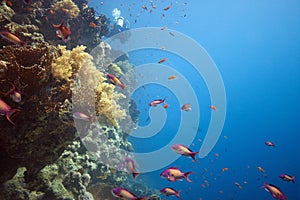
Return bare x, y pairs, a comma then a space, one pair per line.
42, 122
68, 7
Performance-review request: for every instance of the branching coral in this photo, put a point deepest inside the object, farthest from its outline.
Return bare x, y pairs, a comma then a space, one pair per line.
68, 7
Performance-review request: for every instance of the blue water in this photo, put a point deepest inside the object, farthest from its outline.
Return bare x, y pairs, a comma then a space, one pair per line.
255, 45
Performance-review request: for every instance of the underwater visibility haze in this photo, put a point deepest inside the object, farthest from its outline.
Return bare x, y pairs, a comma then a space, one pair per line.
149, 99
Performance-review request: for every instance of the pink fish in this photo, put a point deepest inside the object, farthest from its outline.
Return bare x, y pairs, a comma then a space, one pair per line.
186, 107
157, 101
130, 166
184, 150
286, 177
82, 116
12, 38
116, 81
6, 110
125, 194
173, 174
14, 94
270, 144
62, 32
275, 191
170, 192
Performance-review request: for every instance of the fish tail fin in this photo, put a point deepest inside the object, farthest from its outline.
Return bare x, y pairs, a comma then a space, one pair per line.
58, 26
293, 179
135, 174
193, 155
10, 113
92, 119
123, 86
185, 175
178, 194
165, 99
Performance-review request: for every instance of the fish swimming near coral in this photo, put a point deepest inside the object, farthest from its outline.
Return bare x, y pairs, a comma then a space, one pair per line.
62, 32
6, 110
131, 168
14, 94
12, 38
116, 81
125, 194
82, 116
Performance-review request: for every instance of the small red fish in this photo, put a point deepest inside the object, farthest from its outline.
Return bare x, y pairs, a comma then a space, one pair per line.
213, 107
116, 81
270, 144
144, 7
167, 8
184, 150
286, 177
82, 116
162, 60
166, 105
62, 32
225, 169
274, 191
157, 101
6, 110
186, 107
238, 185
170, 192
173, 174
172, 77
92, 24
12, 38
9, 3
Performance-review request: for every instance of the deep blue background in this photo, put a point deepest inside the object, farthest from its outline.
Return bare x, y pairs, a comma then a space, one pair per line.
256, 46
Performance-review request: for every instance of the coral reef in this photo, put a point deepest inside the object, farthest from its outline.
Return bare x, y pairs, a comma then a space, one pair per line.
67, 7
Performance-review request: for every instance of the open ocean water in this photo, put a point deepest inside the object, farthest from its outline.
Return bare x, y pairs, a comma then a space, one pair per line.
255, 47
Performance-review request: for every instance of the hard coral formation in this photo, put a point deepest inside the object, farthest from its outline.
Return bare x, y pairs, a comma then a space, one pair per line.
42, 121
66, 6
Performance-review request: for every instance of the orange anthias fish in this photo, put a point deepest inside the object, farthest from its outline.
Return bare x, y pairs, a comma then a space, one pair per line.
162, 60
274, 191
12, 38
186, 107
125, 194
6, 110
173, 174
62, 32
167, 8
92, 24
116, 81
130, 166
157, 101
286, 177
270, 144
166, 105
261, 169
170, 192
213, 107
172, 77
184, 150
225, 169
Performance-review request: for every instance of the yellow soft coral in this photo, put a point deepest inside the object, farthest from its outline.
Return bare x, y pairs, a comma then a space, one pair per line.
68, 7
67, 65
90, 93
